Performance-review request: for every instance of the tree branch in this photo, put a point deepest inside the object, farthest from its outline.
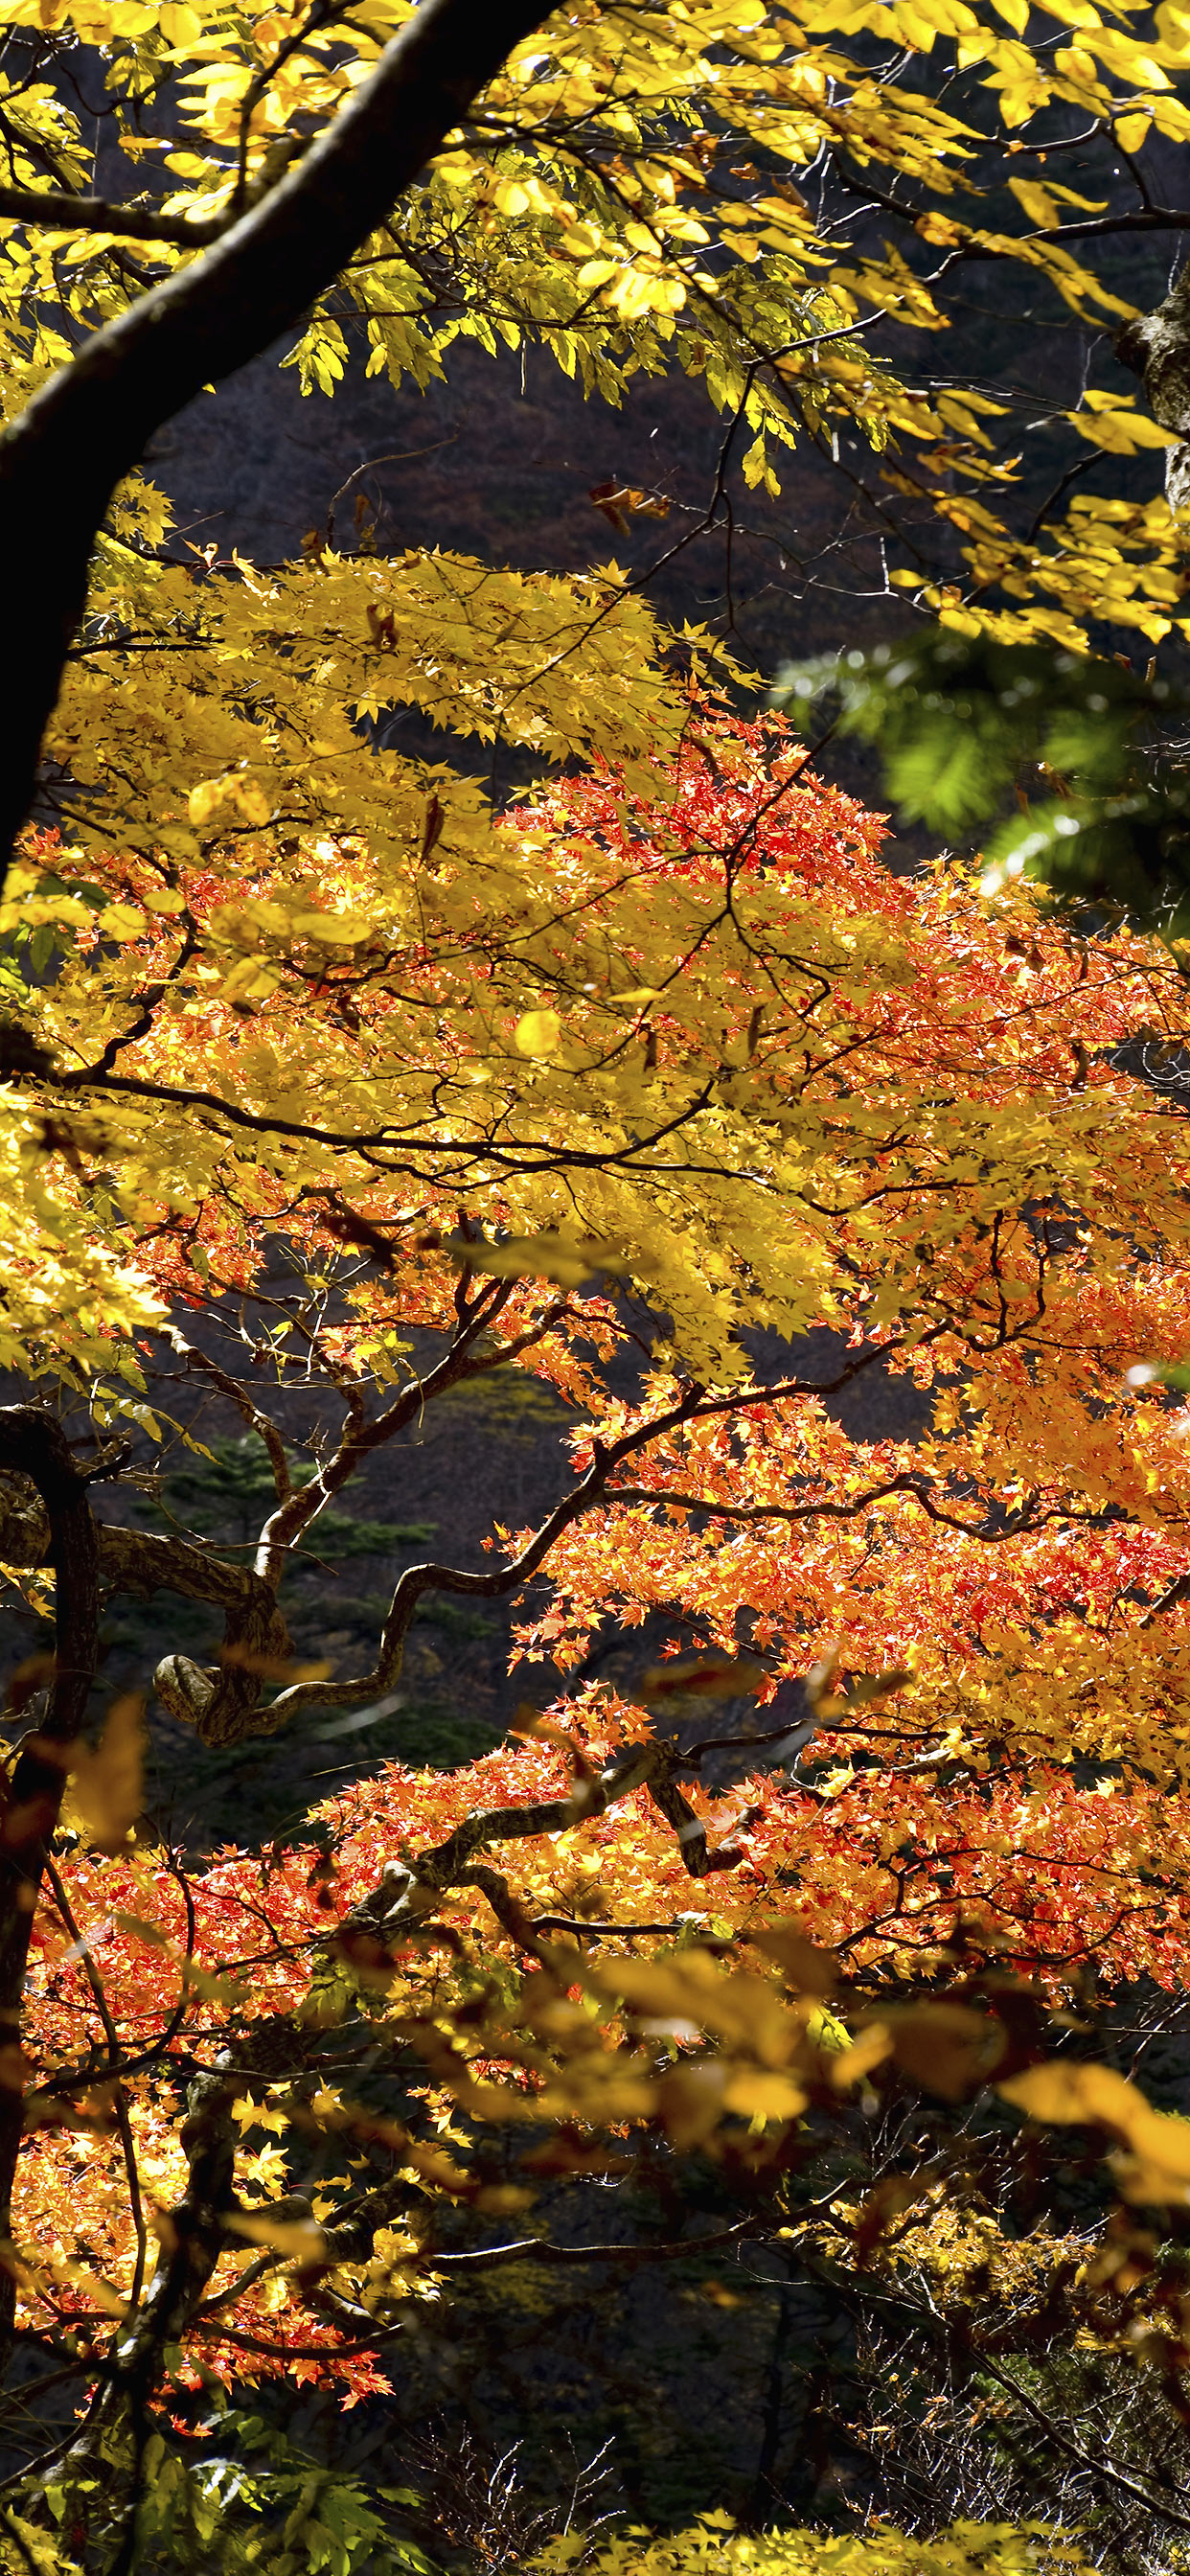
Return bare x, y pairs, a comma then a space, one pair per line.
433, 1577
408, 1894
57, 211
917, 1487
64, 456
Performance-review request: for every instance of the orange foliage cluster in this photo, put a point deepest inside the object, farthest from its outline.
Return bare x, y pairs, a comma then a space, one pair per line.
936, 1107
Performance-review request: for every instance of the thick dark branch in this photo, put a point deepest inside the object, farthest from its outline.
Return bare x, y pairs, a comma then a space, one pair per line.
918, 1488
408, 1895
1174, 1594
220, 1704
438, 1870
449, 1163
63, 458
33, 1444
57, 211
141, 1562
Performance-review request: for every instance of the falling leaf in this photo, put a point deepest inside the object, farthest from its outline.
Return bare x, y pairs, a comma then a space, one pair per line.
273, 1668
808, 1970
538, 1033
107, 1779
540, 1256
299, 2238
946, 2048
704, 1677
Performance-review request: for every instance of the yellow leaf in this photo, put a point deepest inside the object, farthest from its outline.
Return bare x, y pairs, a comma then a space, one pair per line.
691, 2100
539, 1256
204, 800
333, 929
870, 2049
299, 2238
1036, 202
808, 1970
250, 800
946, 2048
1061, 2091
107, 1779
758, 2095
256, 2115
140, 1930
214, 1990
538, 1033
245, 796
939, 230
122, 921
1156, 2169
1120, 432
827, 2032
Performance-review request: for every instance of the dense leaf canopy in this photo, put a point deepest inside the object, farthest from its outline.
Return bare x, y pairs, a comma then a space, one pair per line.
344, 1086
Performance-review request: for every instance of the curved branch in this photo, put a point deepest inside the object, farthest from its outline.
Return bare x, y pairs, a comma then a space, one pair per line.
220, 1704
408, 1894
64, 456
432, 1577
917, 1487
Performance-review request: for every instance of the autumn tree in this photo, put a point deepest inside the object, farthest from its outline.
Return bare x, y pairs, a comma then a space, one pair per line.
309, 1033
594, 198
689, 1032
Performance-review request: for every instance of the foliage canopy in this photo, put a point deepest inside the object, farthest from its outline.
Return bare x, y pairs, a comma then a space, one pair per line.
344, 1088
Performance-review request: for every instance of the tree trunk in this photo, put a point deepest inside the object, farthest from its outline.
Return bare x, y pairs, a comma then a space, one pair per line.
32, 1444
1157, 347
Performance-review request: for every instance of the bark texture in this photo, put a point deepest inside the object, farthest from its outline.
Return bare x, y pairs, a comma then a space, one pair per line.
1157, 347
